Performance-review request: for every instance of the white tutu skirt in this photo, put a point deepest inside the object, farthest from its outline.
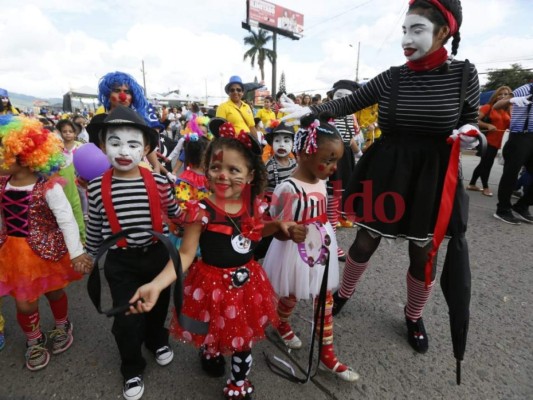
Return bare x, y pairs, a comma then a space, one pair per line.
289, 274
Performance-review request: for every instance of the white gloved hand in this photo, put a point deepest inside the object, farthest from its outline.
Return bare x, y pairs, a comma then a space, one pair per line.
171, 177
521, 101
294, 111
467, 141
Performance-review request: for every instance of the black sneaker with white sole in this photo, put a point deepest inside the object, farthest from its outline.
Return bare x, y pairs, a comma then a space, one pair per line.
523, 214
164, 355
507, 216
133, 388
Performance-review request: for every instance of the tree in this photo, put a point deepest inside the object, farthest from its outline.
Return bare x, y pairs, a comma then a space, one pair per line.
257, 51
282, 87
513, 77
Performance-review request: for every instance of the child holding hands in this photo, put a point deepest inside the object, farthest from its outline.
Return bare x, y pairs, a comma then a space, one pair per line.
129, 196
227, 288
39, 238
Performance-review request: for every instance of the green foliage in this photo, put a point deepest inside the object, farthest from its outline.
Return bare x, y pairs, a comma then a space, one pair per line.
513, 77
257, 51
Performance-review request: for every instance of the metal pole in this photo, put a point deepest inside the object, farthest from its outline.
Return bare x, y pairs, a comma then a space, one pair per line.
144, 79
274, 72
357, 67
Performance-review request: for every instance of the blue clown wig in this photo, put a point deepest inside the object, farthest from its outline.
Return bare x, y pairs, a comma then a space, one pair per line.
113, 79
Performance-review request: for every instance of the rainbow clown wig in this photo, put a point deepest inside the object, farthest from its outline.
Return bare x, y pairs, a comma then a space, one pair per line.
110, 81
26, 142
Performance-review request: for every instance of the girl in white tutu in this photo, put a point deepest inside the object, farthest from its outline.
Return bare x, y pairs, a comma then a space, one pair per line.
302, 198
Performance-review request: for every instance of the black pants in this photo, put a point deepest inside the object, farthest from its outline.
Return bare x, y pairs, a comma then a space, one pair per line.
484, 167
126, 270
517, 152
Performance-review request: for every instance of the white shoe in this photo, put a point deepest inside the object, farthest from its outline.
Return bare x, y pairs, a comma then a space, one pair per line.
133, 388
349, 375
164, 355
294, 343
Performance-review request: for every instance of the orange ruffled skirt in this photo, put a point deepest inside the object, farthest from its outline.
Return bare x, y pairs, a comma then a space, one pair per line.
26, 276
237, 317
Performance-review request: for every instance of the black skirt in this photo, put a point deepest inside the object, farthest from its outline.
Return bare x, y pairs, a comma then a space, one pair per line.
396, 187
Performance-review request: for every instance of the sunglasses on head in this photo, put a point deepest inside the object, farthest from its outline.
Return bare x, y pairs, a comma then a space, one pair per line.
238, 90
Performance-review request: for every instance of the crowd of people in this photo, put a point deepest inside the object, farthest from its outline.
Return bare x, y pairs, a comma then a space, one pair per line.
251, 200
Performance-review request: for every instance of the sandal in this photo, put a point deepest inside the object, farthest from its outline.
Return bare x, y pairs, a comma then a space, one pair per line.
486, 192
474, 188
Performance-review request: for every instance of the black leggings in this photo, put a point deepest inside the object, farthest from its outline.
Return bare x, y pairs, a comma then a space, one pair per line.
484, 167
365, 245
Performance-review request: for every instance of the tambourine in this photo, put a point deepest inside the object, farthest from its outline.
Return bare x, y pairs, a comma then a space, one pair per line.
315, 249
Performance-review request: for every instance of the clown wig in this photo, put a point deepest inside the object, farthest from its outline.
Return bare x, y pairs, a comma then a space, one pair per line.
26, 142
114, 79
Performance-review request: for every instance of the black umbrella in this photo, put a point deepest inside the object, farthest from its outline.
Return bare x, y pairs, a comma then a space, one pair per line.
455, 280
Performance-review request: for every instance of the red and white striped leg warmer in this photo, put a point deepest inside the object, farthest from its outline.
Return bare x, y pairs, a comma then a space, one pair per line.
352, 274
333, 217
285, 307
417, 297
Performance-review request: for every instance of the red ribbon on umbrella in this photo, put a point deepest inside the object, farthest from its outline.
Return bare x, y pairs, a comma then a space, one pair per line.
446, 200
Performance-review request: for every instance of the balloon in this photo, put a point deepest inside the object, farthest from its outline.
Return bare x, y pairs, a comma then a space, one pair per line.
90, 162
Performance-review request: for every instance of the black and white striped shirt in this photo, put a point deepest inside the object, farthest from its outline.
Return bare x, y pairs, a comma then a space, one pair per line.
295, 200
277, 173
130, 200
427, 102
346, 128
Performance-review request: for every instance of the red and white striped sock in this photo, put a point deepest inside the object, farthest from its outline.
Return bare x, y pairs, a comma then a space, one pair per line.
285, 307
59, 309
352, 274
333, 217
31, 325
417, 297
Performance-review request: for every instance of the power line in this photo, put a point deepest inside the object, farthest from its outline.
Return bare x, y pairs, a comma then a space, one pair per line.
330, 18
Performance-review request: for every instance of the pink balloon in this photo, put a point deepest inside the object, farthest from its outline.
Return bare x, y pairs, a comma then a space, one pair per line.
90, 162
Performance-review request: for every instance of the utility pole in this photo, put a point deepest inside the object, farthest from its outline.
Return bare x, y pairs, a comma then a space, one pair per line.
274, 72
144, 79
357, 65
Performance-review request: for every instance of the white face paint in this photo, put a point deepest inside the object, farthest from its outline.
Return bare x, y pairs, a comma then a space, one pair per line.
417, 36
282, 145
340, 93
124, 147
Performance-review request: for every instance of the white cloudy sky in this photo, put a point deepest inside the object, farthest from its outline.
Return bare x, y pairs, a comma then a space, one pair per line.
50, 46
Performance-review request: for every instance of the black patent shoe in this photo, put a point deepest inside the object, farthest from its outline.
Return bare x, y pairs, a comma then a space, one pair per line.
214, 366
338, 303
416, 335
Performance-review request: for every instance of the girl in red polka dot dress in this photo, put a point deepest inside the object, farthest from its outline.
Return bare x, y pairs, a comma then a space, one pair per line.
226, 288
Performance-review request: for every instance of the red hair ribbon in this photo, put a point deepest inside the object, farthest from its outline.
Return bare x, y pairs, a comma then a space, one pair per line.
227, 130
452, 22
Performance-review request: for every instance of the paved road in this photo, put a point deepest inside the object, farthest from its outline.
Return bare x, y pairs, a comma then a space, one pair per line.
370, 335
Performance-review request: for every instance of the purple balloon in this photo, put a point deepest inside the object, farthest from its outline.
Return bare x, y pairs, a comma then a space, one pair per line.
90, 162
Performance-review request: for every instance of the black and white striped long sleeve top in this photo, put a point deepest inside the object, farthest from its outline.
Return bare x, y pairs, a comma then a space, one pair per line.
427, 102
130, 199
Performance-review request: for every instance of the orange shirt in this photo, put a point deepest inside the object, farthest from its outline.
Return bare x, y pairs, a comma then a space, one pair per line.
501, 119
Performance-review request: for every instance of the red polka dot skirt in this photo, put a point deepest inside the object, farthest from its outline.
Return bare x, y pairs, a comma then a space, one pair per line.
237, 312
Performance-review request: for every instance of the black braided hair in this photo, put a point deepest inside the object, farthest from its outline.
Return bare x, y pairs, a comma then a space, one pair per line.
325, 130
435, 16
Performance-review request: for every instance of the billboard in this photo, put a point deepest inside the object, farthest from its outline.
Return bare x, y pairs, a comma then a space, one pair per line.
270, 14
